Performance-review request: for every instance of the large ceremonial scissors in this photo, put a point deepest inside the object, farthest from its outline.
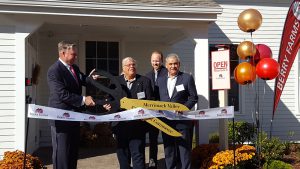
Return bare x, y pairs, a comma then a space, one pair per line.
118, 101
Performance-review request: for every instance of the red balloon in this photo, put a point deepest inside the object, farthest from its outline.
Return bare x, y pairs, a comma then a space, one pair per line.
267, 69
244, 73
262, 51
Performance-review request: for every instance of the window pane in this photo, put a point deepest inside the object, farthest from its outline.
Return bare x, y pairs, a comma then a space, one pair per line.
233, 95
102, 64
234, 59
114, 67
90, 49
113, 50
102, 50
90, 65
97, 56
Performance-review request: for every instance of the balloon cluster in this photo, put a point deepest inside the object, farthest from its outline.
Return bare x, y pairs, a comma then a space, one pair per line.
259, 56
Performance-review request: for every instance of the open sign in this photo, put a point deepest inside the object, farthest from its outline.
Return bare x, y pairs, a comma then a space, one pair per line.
221, 65
220, 69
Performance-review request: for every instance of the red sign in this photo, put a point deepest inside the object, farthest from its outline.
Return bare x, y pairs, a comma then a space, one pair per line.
288, 49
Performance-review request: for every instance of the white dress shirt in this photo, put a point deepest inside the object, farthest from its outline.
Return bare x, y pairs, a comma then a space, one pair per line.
171, 84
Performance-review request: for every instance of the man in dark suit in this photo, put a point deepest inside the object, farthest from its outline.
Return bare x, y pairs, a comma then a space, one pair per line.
158, 71
65, 81
177, 87
130, 135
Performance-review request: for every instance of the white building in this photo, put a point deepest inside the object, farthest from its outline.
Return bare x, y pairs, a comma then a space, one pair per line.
106, 32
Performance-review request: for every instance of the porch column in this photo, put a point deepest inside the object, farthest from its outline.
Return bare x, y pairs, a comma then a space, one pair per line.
23, 30
201, 58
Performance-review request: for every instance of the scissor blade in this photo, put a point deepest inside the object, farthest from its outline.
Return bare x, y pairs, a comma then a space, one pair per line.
127, 103
163, 127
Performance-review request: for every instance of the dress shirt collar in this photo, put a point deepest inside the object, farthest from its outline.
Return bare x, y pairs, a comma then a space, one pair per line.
68, 66
173, 76
131, 80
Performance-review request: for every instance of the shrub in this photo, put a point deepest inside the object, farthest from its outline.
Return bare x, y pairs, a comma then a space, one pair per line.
245, 156
214, 138
272, 149
243, 131
276, 164
14, 160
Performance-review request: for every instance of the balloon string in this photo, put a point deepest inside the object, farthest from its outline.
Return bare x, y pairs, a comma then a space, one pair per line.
264, 93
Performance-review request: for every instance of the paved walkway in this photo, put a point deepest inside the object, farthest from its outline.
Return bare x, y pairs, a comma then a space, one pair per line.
96, 158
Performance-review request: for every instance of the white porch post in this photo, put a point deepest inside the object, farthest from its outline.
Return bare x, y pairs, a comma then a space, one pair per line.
20, 89
23, 30
201, 58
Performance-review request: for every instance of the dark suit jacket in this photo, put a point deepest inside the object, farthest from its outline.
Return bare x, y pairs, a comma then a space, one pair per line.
187, 96
141, 84
65, 93
151, 75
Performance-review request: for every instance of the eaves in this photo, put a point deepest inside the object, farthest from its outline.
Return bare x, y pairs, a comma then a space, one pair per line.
117, 10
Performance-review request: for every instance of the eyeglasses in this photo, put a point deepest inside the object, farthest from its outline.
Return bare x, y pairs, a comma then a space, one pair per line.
130, 65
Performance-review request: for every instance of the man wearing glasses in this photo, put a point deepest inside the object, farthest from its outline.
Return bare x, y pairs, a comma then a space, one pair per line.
130, 135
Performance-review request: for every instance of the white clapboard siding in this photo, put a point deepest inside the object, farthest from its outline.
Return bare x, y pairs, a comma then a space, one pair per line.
7, 55
225, 31
7, 74
7, 80
7, 89
7, 119
7, 93
7, 67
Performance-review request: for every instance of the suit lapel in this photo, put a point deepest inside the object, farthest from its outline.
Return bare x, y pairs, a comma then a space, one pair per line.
164, 86
135, 85
67, 73
178, 82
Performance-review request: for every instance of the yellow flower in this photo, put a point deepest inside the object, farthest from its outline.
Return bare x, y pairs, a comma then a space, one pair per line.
225, 158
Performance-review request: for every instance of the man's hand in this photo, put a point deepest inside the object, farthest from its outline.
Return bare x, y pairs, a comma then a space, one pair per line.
94, 76
89, 101
107, 107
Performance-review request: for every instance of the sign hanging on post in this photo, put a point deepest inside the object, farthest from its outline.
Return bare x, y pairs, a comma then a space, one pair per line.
220, 68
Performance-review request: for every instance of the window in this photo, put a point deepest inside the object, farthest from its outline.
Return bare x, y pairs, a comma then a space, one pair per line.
101, 55
233, 93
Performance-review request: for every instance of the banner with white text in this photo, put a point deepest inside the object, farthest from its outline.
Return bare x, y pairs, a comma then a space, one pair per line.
288, 49
43, 112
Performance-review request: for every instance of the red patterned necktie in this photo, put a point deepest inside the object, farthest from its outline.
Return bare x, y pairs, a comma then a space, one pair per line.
74, 74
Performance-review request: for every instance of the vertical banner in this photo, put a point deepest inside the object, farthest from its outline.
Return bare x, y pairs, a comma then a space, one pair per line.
288, 49
220, 69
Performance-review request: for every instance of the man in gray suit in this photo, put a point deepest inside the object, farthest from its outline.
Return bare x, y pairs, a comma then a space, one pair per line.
177, 87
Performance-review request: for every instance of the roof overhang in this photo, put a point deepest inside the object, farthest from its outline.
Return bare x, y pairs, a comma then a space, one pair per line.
111, 10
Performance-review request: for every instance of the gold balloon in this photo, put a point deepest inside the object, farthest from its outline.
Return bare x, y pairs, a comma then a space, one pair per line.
244, 73
246, 49
249, 20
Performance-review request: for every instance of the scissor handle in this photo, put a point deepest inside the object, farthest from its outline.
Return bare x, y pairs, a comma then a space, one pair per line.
115, 93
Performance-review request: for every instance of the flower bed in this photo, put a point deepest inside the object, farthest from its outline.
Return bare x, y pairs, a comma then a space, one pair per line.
14, 160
